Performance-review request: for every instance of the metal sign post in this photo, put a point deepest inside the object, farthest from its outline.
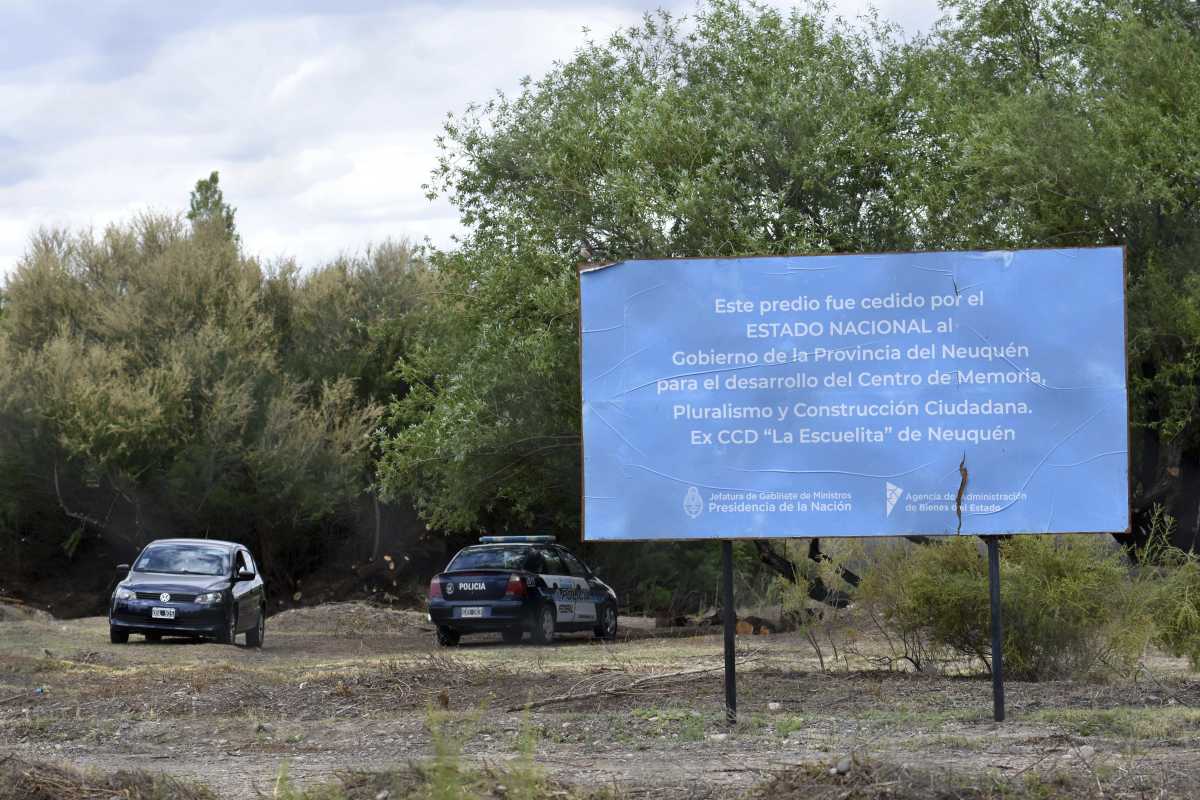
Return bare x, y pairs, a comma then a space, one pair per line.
993, 548
730, 619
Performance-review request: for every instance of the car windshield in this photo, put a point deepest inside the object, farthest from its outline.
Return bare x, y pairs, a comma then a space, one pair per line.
183, 559
490, 558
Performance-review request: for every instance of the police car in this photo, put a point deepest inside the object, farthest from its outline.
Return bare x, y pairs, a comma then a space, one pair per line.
513, 584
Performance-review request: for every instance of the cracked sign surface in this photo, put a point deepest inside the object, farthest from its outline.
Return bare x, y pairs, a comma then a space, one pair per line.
855, 395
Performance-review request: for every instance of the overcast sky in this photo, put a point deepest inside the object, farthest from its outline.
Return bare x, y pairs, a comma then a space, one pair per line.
319, 116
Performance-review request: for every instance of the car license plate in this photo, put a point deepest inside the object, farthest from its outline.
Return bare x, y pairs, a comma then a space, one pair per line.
474, 611
162, 613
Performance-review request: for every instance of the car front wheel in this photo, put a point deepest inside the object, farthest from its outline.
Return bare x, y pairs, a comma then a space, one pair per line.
606, 626
543, 625
117, 637
229, 633
254, 636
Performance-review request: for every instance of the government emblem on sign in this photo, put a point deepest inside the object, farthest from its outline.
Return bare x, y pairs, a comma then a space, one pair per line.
894, 493
693, 504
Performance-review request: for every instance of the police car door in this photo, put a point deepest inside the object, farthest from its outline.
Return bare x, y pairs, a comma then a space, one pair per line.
560, 583
585, 604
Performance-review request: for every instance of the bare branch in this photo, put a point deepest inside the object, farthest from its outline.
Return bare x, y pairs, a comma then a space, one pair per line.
84, 518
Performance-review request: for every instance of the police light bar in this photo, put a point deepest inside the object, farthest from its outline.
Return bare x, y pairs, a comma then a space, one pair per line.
517, 539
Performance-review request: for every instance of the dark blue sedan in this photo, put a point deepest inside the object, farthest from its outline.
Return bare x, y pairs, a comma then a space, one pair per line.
201, 588
513, 584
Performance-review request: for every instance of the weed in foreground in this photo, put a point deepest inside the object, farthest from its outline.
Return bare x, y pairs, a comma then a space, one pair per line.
786, 724
524, 777
445, 775
1132, 724
681, 723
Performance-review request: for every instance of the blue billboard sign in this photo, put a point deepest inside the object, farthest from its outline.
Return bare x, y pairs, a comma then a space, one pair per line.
855, 395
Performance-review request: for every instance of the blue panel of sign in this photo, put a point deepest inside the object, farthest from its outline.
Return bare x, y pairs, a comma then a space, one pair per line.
855, 395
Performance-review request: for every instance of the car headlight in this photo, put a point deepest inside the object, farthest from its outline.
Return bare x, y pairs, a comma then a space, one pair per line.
208, 598
125, 594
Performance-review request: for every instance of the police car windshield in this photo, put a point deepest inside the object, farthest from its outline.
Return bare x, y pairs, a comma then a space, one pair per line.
490, 558
183, 559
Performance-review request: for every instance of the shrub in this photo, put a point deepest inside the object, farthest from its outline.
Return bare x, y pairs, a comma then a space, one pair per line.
801, 609
1175, 605
1069, 604
1173, 580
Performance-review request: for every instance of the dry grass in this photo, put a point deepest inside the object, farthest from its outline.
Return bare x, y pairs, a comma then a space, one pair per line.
326, 702
347, 620
24, 780
872, 781
442, 782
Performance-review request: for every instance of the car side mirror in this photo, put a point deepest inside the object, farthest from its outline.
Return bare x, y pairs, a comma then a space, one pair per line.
244, 575
122, 568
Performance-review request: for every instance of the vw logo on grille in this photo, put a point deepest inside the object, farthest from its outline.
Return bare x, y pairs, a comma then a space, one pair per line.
164, 597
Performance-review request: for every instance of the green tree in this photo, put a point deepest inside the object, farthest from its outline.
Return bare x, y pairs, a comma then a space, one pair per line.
145, 394
489, 429
1079, 123
351, 317
208, 206
758, 132
755, 131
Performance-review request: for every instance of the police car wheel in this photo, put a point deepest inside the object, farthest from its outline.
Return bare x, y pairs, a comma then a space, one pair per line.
513, 636
118, 637
543, 625
607, 627
447, 637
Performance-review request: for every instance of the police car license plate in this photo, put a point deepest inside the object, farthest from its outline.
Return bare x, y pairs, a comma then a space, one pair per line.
474, 611
162, 613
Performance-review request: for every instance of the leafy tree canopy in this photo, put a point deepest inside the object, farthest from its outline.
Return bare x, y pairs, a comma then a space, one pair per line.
208, 206
157, 382
746, 130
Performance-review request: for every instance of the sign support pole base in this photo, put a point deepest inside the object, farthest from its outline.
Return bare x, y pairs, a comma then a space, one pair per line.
729, 615
993, 549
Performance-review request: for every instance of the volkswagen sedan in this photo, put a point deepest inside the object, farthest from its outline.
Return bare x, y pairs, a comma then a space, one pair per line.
201, 588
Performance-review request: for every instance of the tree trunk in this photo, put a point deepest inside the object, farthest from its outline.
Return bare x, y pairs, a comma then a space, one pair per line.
375, 546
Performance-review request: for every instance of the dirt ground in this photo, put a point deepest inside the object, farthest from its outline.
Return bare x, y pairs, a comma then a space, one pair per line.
349, 686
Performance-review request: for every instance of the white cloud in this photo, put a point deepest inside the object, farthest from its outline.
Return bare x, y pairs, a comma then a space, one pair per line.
321, 124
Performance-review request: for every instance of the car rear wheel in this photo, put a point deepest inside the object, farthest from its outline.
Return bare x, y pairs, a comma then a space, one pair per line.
229, 633
513, 636
606, 627
543, 625
117, 637
153, 637
447, 637
254, 636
